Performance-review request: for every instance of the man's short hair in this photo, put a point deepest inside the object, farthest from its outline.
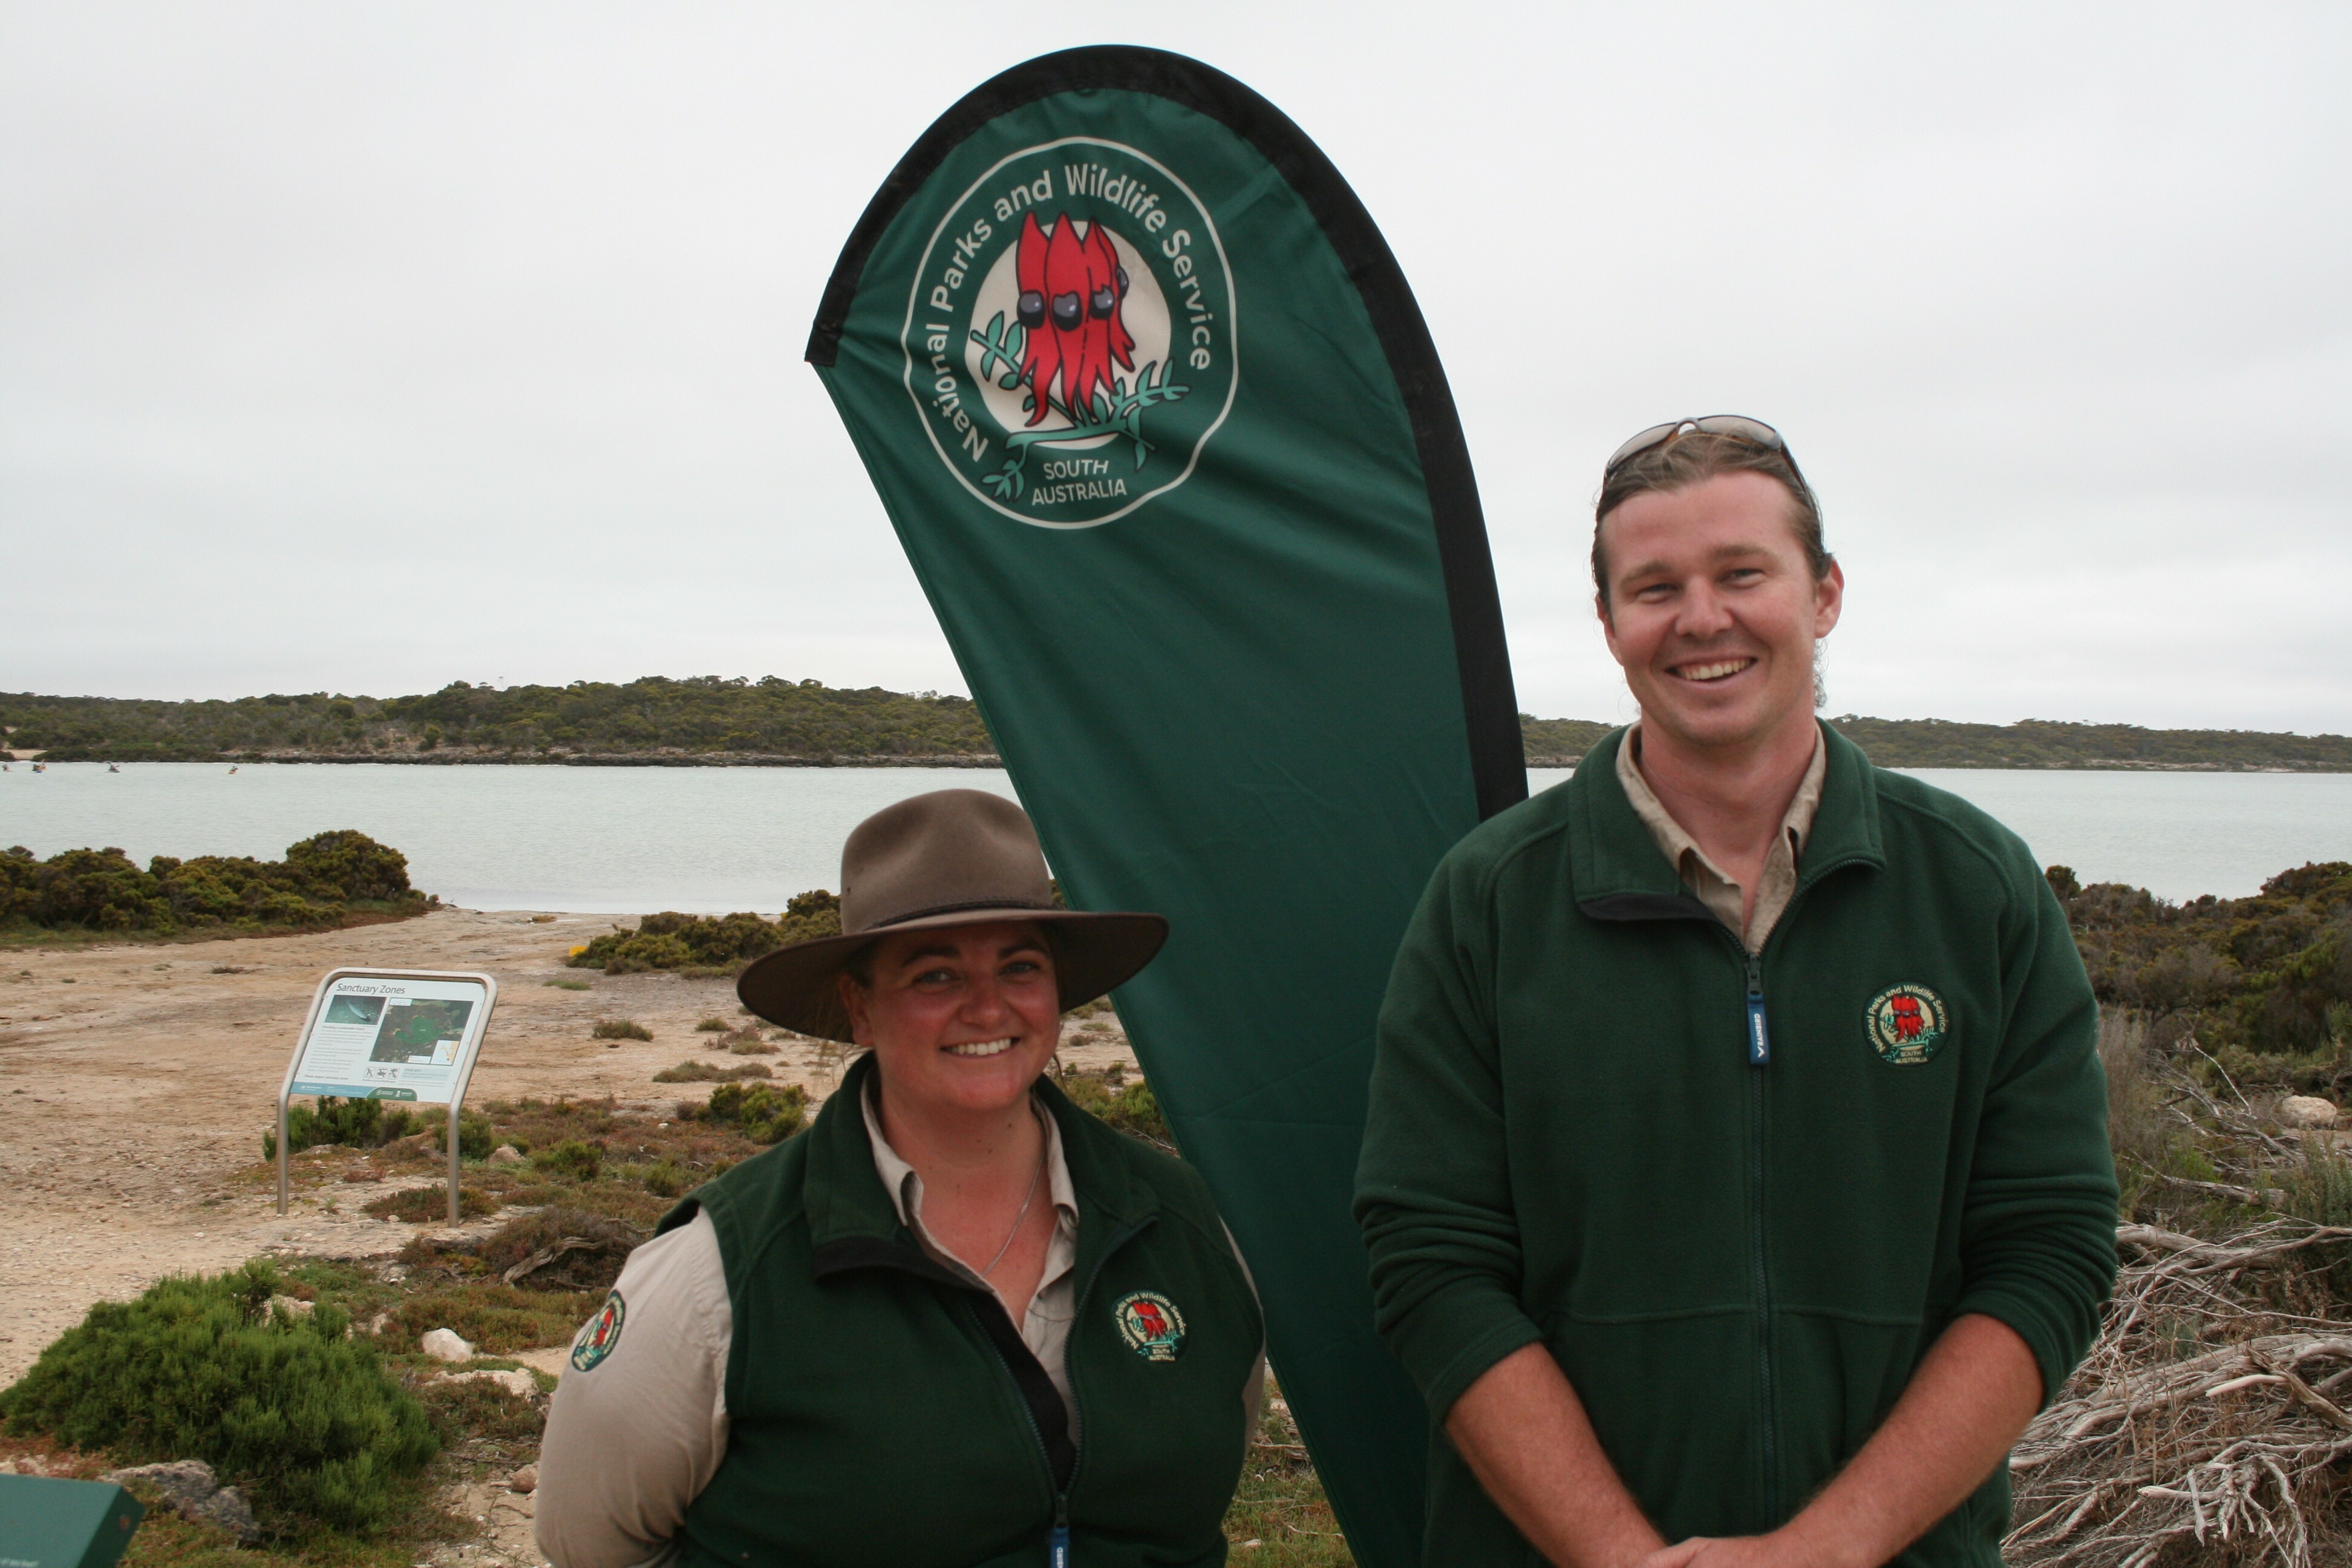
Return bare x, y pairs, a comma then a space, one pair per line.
1697, 456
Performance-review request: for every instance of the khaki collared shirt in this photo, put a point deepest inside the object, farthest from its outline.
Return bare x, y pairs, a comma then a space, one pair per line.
1723, 897
1046, 1326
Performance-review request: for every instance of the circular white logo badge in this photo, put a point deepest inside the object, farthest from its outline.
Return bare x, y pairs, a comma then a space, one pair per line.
1069, 337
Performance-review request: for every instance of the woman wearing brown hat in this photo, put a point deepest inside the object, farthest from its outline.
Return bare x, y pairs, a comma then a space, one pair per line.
957, 1322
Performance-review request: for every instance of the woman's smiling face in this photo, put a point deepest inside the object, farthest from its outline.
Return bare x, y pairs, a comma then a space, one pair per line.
959, 1017
1713, 610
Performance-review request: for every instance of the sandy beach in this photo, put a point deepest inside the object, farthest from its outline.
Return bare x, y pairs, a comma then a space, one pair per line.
135, 1082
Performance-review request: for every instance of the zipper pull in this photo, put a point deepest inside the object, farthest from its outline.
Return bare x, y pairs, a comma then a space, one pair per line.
1057, 1548
1759, 1039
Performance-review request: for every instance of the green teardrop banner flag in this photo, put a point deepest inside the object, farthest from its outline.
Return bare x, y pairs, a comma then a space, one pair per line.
1163, 433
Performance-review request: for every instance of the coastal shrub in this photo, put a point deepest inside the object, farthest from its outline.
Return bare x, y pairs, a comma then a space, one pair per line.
102, 889
430, 1205
355, 1123
663, 1178
466, 1409
717, 945
474, 1139
495, 1318
2260, 973
1132, 1108
748, 1041
704, 1072
768, 1113
523, 1239
351, 864
713, 1026
620, 1029
574, 1160
291, 1410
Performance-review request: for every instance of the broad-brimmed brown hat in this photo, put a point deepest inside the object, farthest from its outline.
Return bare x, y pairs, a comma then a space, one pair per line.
951, 858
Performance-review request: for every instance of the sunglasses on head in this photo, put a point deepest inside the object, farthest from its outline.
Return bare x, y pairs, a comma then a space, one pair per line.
1738, 428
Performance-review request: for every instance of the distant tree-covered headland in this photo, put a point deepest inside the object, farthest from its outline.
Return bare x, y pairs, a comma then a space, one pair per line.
2030, 743
708, 720
703, 719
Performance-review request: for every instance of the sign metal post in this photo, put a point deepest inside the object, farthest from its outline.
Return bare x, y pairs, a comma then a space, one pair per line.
409, 1036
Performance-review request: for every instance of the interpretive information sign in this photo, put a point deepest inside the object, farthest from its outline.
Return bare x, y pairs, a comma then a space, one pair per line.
383, 1036
390, 1033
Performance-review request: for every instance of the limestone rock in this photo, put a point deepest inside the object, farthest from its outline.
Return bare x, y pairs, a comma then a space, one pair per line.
2306, 1110
228, 1509
180, 1481
525, 1480
293, 1306
442, 1344
519, 1384
193, 1492
505, 1154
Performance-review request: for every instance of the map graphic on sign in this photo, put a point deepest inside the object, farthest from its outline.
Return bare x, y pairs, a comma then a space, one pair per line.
427, 1031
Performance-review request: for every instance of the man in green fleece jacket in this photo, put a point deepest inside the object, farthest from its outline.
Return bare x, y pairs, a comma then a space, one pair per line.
1735, 1180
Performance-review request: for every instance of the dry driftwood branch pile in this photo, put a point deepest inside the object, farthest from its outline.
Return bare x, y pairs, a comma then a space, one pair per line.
2208, 1413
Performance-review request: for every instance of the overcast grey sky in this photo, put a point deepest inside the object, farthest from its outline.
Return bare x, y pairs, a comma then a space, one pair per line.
365, 347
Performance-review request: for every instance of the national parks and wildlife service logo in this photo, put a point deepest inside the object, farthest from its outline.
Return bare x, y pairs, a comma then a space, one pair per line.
1150, 1324
1907, 1024
602, 1333
1069, 336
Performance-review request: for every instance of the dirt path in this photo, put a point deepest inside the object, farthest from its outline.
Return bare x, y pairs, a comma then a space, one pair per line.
135, 1082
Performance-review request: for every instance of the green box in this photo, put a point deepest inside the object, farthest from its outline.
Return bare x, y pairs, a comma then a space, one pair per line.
49, 1523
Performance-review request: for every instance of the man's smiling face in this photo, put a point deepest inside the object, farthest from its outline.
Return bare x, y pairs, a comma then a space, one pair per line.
1713, 611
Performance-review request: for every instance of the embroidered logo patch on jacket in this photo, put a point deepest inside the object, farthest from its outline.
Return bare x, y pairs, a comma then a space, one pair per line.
1907, 1024
600, 1334
1150, 1324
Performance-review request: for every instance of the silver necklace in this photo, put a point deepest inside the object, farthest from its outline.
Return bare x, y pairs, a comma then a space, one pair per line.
1026, 1202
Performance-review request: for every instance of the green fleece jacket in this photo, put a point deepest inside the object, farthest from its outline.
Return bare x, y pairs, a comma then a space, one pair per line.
1738, 1200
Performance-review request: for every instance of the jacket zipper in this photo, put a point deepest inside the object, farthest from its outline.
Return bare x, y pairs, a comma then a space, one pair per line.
1057, 1542
1759, 1057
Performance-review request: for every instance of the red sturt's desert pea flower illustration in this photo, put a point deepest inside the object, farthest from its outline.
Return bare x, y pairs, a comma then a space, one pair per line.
1907, 1020
1071, 291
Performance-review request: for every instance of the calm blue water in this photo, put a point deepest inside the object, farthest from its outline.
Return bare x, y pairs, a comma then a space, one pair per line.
627, 840
2177, 834
596, 840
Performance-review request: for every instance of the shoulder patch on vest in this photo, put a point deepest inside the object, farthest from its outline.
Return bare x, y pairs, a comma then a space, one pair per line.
1150, 1324
600, 1334
1905, 1025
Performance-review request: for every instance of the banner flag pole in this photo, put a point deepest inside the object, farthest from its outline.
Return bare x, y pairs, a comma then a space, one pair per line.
1162, 431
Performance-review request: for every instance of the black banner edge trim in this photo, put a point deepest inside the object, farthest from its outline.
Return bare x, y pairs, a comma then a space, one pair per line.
1474, 604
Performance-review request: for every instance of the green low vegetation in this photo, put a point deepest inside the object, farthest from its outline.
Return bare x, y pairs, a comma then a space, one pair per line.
767, 1113
327, 880
1131, 1108
2261, 981
354, 1123
620, 1029
713, 719
704, 1072
710, 945
290, 1409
